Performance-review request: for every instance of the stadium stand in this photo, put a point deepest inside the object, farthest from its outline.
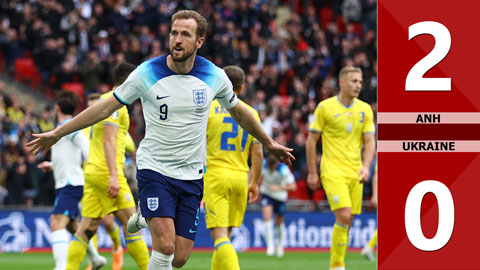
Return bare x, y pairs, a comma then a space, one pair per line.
291, 51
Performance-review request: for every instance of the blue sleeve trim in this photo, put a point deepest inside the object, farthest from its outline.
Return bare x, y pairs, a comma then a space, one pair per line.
110, 123
120, 100
315, 131
74, 134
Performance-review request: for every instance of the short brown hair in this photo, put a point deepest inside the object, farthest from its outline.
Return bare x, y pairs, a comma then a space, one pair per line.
344, 71
67, 101
192, 14
236, 76
121, 71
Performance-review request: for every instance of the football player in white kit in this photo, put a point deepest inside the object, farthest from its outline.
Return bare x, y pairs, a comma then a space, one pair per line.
66, 162
176, 91
278, 180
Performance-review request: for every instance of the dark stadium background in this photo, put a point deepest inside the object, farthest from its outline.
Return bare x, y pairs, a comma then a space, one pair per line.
291, 51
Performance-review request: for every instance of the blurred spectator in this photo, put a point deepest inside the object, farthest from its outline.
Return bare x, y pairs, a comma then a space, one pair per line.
15, 112
17, 181
91, 72
45, 122
134, 53
102, 45
50, 57
68, 24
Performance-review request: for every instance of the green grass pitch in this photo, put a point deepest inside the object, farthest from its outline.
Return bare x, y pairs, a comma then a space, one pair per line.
201, 261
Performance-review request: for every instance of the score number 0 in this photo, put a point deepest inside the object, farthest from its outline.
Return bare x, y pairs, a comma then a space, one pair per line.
416, 82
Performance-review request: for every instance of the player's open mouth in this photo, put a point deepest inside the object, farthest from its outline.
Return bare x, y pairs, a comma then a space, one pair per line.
178, 49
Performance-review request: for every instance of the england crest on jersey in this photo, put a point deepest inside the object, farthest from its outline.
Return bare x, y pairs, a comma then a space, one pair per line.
200, 97
152, 203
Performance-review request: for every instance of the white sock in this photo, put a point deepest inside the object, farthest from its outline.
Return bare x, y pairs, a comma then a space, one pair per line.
268, 230
280, 230
159, 261
92, 252
60, 242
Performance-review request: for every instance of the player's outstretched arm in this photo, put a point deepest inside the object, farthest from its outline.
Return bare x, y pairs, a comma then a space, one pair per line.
247, 121
311, 148
110, 150
257, 164
88, 117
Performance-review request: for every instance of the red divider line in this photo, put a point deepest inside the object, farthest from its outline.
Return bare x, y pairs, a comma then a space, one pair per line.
443, 132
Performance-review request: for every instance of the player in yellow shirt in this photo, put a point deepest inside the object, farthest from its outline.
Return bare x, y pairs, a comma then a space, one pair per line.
109, 220
226, 179
106, 189
345, 124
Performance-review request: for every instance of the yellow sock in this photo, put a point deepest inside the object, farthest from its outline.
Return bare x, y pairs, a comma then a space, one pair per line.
94, 239
215, 263
138, 249
76, 252
115, 235
339, 245
225, 255
373, 242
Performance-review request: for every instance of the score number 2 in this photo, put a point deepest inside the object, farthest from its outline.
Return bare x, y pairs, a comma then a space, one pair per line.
443, 42
416, 82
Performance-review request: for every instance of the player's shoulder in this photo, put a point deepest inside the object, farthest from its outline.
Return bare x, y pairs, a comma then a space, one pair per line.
204, 63
158, 62
209, 73
155, 68
331, 101
362, 104
205, 66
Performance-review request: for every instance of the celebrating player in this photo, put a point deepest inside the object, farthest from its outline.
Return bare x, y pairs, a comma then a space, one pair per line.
176, 91
345, 124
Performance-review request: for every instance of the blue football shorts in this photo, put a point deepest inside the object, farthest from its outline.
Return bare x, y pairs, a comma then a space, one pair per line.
162, 196
279, 207
67, 200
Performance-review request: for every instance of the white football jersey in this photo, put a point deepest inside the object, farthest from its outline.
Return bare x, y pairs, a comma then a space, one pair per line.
67, 156
175, 108
280, 177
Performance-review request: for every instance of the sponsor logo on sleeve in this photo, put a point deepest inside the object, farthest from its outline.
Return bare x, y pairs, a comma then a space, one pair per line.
232, 98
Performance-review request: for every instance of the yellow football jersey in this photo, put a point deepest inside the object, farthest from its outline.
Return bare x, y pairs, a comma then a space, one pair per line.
96, 159
88, 132
225, 137
342, 128
129, 144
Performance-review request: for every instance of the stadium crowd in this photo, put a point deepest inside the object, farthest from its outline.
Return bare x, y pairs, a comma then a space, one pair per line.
291, 52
